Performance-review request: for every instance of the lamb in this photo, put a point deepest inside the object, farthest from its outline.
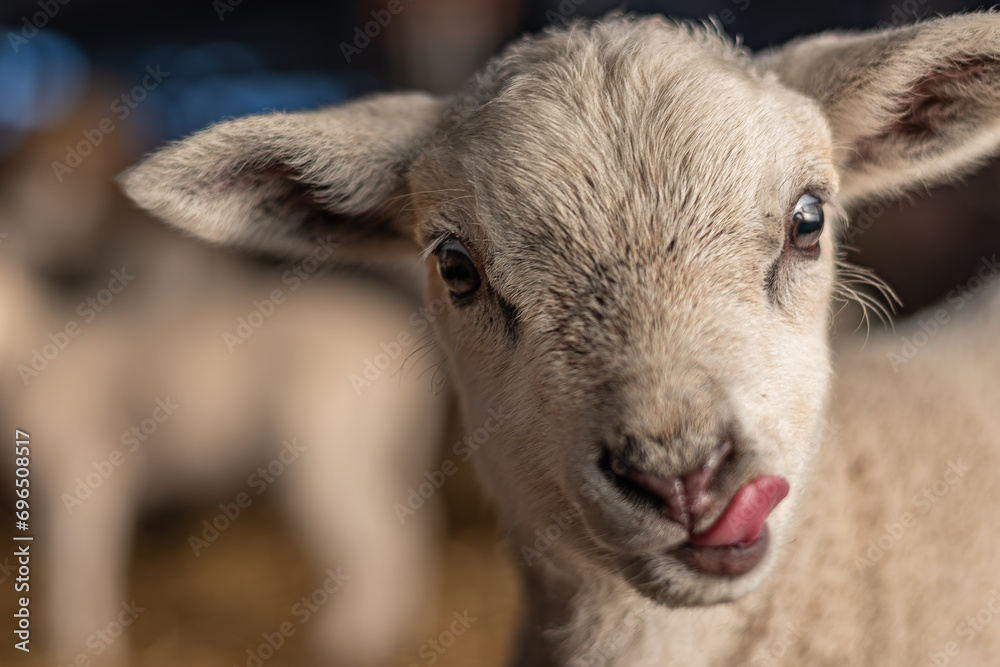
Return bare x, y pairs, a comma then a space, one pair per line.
144, 406
638, 224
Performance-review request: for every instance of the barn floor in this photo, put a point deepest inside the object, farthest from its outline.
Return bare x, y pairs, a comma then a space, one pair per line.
206, 611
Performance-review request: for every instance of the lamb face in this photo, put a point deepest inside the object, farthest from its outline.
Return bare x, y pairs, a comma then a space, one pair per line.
635, 272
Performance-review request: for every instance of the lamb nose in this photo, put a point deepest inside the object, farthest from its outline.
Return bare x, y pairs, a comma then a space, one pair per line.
685, 497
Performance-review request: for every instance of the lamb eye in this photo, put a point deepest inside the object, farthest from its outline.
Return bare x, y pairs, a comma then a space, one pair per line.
457, 269
807, 223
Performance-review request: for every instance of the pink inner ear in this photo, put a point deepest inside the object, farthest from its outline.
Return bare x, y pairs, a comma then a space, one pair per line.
933, 100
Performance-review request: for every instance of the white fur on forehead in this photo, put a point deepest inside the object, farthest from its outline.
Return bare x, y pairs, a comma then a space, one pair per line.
564, 47
625, 127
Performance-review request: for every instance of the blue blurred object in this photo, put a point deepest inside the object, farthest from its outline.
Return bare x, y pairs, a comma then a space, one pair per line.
42, 81
210, 82
186, 106
195, 86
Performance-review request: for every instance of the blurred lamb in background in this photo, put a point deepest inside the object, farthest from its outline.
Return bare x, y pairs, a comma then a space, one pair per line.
151, 370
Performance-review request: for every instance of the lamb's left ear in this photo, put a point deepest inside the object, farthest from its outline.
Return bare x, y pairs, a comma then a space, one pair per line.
908, 106
280, 182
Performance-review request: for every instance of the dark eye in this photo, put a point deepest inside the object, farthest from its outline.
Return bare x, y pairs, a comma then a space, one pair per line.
807, 223
457, 269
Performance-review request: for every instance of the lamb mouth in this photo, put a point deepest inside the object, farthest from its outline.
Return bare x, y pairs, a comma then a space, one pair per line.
730, 561
738, 541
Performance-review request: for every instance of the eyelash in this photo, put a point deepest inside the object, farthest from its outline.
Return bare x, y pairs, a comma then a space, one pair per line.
434, 242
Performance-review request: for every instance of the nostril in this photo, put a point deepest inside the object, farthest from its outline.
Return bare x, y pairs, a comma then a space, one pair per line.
663, 493
670, 491
685, 498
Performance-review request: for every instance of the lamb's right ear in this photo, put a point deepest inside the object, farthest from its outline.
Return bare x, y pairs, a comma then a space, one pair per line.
908, 106
280, 182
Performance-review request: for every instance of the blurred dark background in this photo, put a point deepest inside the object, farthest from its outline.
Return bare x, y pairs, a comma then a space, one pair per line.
156, 71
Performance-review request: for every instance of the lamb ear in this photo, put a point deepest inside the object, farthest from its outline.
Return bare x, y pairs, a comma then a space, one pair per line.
281, 182
908, 106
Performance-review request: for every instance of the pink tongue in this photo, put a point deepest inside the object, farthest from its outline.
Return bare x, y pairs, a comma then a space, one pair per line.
743, 520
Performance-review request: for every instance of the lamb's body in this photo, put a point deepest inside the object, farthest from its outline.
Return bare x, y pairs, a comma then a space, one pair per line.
211, 418
933, 425
629, 217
